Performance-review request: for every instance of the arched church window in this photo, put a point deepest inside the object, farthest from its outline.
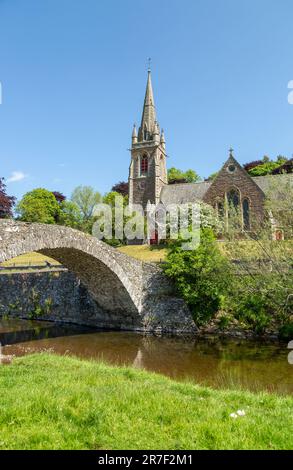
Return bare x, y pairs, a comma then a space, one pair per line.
144, 165
221, 209
233, 198
246, 214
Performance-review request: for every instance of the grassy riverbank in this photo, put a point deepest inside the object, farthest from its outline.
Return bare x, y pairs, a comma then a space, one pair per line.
54, 402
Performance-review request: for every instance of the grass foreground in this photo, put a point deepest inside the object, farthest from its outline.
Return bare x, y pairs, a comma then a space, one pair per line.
55, 402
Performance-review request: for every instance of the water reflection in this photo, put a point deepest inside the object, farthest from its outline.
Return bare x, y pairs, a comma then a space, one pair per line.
212, 361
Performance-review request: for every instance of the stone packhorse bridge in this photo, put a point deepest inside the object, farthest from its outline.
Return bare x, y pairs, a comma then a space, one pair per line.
129, 294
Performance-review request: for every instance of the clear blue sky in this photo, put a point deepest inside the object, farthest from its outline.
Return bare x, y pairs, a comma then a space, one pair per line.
73, 76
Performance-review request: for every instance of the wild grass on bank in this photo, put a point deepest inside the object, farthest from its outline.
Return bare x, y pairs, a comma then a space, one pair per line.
53, 402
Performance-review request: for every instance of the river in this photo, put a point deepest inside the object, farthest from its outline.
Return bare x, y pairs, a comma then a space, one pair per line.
251, 365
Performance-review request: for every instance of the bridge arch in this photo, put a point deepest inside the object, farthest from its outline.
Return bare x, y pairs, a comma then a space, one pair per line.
113, 279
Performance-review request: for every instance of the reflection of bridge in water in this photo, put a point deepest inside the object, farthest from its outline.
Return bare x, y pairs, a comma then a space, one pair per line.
130, 294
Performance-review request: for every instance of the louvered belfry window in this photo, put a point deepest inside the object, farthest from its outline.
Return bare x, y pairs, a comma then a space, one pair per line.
144, 166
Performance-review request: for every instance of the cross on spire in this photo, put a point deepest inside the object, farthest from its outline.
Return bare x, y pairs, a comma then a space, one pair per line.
231, 150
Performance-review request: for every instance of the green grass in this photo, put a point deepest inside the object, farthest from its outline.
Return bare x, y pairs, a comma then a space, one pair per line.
145, 252
54, 402
251, 250
242, 249
29, 259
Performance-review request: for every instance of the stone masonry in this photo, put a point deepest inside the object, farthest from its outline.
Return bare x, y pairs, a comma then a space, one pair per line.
128, 293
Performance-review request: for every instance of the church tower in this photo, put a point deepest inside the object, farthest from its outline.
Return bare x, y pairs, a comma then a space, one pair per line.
147, 172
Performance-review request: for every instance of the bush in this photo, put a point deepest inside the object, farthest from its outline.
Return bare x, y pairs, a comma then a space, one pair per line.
252, 311
201, 276
286, 331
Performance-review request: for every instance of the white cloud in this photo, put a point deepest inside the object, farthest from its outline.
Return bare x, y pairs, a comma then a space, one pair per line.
16, 176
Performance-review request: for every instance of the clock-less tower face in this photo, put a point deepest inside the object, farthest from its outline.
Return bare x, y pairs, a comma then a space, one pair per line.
147, 174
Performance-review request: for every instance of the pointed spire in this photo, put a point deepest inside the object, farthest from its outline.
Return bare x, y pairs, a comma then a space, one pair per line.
148, 119
163, 137
134, 135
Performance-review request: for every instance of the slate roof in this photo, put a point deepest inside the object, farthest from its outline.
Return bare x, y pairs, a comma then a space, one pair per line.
273, 182
191, 192
185, 192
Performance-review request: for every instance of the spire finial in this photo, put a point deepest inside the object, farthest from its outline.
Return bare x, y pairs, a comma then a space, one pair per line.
231, 150
149, 64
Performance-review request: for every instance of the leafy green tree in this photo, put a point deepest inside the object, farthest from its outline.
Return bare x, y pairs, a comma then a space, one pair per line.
85, 197
115, 199
189, 176
266, 167
39, 205
70, 215
201, 276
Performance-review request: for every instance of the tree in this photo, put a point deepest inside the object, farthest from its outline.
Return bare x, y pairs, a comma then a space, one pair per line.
59, 196
121, 188
85, 197
70, 215
117, 203
6, 202
213, 176
176, 175
39, 205
249, 166
264, 167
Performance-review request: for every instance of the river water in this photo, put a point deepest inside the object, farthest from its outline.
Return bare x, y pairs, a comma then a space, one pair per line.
251, 365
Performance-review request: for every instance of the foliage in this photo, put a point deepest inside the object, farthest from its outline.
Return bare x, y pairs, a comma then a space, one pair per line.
262, 292
189, 176
70, 215
265, 166
201, 276
249, 166
121, 188
59, 196
85, 197
286, 331
61, 402
213, 176
279, 205
6, 202
38, 205
117, 202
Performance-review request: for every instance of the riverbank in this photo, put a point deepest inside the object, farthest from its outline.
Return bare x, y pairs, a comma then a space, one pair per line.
54, 402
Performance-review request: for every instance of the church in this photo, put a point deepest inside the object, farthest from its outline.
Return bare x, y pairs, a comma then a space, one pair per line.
148, 180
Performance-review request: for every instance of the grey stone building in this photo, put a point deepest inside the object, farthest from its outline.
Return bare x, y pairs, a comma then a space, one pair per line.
233, 185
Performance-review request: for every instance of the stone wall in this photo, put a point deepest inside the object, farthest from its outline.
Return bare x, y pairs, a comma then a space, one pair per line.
60, 296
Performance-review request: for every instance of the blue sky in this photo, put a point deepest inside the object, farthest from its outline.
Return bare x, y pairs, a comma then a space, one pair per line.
73, 77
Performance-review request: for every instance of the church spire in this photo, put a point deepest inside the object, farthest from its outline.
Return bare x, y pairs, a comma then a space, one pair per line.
149, 119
